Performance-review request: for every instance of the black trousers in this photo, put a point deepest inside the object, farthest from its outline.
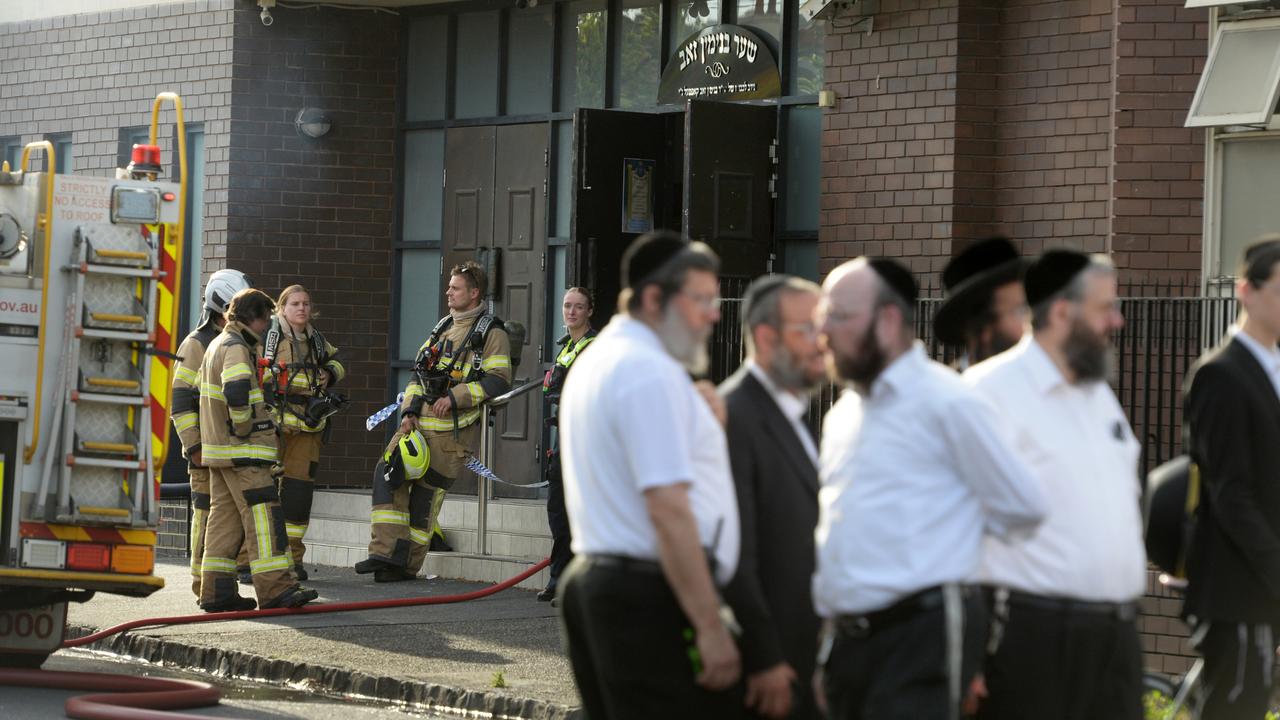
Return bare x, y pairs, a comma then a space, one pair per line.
558, 521
1062, 664
1238, 660
908, 668
625, 637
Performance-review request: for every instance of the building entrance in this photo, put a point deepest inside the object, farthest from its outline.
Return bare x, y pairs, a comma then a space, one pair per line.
707, 172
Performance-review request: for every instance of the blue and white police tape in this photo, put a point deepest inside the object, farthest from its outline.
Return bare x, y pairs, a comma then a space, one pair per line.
474, 465
379, 417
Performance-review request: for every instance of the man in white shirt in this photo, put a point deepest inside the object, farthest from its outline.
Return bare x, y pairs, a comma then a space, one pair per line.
650, 500
775, 468
1066, 597
916, 468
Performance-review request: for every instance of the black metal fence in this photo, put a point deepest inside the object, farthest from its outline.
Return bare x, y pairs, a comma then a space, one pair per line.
1162, 337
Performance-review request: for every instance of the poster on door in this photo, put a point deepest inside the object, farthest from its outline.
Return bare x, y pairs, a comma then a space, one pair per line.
637, 195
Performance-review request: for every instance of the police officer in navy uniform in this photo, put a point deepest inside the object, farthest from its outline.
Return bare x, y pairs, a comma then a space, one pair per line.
577, 308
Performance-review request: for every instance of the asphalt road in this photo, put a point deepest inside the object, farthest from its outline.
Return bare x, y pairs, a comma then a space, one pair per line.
239, 699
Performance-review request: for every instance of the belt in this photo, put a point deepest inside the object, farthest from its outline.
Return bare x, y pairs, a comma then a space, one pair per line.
862, 625
624, 563
1123, 611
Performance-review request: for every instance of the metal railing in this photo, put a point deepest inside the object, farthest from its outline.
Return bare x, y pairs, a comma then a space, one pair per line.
1161, 339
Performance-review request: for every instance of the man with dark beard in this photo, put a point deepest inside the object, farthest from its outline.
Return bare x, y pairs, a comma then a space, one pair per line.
1065, 599
650, 498
916, 469
985, 310
774, 457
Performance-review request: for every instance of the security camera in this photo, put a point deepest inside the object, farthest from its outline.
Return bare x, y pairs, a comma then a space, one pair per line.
265, 15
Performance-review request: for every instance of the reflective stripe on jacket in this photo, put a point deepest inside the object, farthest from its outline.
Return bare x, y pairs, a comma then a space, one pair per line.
235, 425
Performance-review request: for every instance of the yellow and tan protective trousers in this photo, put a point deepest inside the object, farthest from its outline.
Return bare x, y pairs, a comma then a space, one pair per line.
301, 453
243, 509
403, 517
199, 475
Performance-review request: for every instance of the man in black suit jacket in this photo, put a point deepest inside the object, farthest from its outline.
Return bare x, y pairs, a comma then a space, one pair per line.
1233, 435
774, 459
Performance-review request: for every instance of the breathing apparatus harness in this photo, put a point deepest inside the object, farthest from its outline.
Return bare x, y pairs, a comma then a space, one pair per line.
437, 381
322, 402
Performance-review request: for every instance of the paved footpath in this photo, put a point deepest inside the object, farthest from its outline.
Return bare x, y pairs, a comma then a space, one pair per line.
443, 656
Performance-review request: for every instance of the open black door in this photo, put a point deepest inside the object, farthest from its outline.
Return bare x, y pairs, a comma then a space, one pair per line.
729, 151
627, 174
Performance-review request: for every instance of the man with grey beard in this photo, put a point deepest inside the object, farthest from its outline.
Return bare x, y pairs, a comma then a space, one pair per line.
650, 499
1064, 600
774, 457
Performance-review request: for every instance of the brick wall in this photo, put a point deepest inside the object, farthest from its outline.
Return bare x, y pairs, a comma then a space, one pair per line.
319, 212
1159, 165
1053, 113
91, 75
889, 147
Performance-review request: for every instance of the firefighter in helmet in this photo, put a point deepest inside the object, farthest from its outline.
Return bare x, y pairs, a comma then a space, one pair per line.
304, 368
185, 410
465, 361
238, 444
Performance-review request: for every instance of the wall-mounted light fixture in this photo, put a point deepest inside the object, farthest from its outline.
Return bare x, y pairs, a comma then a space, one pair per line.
312, 123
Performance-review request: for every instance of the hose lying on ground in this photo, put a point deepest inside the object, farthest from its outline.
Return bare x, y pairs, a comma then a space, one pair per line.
140, 698
125, 697
309, 609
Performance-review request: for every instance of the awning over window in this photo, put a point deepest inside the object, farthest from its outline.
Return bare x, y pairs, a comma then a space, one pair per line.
1241, 79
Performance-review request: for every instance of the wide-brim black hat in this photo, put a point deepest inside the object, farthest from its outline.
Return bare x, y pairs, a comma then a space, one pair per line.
968, 281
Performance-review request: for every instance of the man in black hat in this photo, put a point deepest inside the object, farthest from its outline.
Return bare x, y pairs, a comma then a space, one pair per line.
916, 469
651, 501
985, 309
1065, 599
1233, 432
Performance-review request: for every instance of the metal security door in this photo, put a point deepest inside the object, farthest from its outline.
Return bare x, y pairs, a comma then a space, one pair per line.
606, 144
728, 204
518, 256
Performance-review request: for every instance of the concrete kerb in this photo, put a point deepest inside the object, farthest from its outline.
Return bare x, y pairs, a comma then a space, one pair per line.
321, 678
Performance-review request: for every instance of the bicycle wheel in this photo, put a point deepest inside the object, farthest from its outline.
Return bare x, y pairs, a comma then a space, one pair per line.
1158, 693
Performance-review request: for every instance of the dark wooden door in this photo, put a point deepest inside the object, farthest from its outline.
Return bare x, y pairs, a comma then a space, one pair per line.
728, 165
606, 143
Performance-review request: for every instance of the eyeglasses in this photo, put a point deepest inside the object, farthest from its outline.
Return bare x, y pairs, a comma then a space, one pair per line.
710, 303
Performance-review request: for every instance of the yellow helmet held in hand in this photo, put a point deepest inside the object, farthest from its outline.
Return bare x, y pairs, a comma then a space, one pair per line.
415, 456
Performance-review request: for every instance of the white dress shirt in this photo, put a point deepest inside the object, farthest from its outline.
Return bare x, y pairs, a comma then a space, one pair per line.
912, 476
630, 420
1084, 455
793, 407
1268, 358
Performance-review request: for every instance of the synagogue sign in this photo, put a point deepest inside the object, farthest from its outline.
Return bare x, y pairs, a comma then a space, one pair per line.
722, 62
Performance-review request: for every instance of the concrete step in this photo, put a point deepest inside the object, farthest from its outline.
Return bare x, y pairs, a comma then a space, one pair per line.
517, 530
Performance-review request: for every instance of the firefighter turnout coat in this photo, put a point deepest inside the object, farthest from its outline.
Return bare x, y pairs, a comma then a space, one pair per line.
237, 429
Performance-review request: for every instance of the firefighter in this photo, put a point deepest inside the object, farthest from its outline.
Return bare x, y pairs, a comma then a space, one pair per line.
576, 309
185, 410
465, 360
305, 367
238, 444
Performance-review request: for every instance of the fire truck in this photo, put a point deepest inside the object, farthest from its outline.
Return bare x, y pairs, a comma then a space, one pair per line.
89, 297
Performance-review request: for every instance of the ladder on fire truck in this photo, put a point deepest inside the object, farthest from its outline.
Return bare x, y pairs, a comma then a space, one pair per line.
106, 381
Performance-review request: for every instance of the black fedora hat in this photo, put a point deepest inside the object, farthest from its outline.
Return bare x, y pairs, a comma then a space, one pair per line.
968, 280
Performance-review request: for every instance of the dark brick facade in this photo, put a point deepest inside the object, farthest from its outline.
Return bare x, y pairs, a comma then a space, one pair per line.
319, 212
1055, 123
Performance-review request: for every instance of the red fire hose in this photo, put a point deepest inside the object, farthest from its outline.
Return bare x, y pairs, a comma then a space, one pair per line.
309, 609
138, 698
